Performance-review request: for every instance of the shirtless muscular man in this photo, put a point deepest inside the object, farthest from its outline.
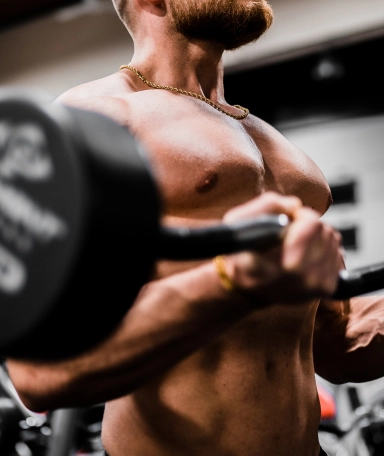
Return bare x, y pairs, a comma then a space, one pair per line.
195, 368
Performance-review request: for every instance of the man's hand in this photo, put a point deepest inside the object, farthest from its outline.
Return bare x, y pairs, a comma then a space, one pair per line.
307, 263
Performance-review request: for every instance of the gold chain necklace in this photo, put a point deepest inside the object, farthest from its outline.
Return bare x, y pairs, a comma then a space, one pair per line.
190, 94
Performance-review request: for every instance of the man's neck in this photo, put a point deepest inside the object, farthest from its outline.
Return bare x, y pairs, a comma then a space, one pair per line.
195, 67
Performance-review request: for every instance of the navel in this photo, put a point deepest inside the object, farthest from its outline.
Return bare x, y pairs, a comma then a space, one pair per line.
206, 184
269, 369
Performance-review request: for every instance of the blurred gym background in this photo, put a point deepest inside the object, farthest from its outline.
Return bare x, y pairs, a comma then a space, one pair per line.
317, 76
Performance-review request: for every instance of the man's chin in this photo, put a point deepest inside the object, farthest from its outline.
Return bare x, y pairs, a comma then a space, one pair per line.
239, 43
227, 43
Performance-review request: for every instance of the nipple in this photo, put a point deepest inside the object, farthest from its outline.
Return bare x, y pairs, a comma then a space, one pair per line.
208, 182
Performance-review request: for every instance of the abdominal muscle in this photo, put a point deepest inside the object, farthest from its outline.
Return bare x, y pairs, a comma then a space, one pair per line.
250, 392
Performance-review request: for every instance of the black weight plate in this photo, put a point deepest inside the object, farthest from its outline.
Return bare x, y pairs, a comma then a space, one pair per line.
42, 210
74, 288
121, 231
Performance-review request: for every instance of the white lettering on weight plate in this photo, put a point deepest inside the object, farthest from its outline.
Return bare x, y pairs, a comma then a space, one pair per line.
17, 207
24, 152
13, 275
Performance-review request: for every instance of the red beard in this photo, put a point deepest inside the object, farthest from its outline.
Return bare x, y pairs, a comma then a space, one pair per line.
229, 22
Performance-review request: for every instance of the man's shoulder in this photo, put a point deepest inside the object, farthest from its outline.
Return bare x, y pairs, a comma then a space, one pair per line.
106, 96
260, 130
270, 138
98, 87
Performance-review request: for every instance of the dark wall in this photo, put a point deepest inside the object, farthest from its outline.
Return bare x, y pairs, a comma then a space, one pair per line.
14, 12
345, 81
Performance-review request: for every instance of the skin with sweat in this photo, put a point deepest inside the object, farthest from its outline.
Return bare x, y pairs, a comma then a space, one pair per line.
251, 390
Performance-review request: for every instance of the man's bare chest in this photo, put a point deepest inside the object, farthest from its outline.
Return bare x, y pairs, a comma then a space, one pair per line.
200, 163
206, 162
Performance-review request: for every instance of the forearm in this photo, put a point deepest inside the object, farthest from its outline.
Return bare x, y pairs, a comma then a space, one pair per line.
175, 316
349, 346
170, 319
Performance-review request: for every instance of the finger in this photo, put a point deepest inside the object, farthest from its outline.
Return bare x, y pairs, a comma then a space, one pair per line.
267, 203
332, 265
303, 242
316, 255
249, 269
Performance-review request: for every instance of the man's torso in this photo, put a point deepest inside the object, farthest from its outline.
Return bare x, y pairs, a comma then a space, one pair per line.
252, 390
